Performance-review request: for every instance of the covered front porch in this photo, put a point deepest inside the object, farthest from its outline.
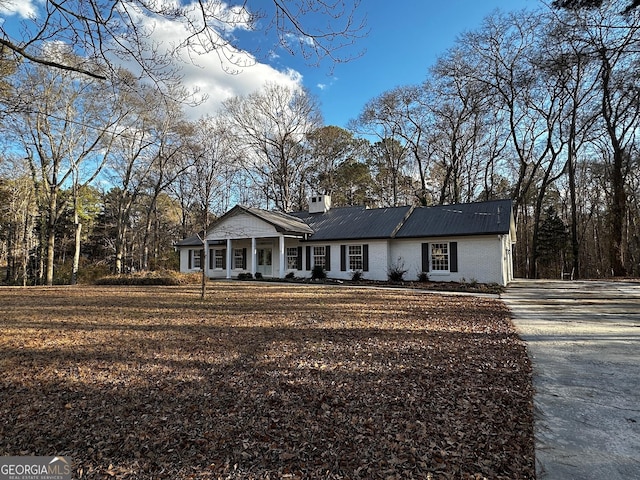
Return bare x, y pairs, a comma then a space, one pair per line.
269, 257
251, 240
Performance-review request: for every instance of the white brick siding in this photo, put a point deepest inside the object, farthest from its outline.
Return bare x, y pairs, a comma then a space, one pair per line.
184, 261
409, 254
482, 259
378, 260
479, 259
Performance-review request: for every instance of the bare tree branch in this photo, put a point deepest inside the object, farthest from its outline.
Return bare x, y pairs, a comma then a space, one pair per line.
105, 32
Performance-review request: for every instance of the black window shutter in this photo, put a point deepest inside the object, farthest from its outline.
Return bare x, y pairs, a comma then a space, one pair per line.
212, 258
189, 266
308, 255
453, 256
425, 257
365, 258
299, 259
244, 258
327, 258
224, 258
343, 258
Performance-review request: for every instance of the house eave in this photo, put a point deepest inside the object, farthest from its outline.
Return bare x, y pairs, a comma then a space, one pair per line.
453, 234
344, 239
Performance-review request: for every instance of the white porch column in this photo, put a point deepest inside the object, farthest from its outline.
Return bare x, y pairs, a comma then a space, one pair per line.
229, 258
254, 253
282, 257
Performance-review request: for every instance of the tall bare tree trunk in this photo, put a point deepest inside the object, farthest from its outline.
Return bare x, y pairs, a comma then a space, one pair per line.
575, 244
76, 252
25, 252
51, 231
119, 247
203, 266
618, 206
617, 215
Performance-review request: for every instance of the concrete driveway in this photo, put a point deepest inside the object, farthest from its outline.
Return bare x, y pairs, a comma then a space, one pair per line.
584, 341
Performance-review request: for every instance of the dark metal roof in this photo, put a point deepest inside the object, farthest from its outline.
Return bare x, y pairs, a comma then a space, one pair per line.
192, 241
481, 218
358, 223
350, 223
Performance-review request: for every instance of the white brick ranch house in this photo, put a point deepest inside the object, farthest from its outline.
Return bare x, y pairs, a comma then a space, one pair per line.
463, 242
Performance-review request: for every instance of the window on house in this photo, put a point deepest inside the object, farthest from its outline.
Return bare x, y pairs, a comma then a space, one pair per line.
196, 258
292, 258
219, 258
355, 257
440, 257
238, 258
319, 257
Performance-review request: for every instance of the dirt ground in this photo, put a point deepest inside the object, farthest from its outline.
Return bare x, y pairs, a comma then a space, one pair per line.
265, 381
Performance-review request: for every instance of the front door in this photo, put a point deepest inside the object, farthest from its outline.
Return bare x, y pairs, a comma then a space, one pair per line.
265, 261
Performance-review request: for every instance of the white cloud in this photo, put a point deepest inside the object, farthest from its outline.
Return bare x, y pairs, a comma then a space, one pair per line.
213, 81
208, 72
300, 39
22, 8
325, 86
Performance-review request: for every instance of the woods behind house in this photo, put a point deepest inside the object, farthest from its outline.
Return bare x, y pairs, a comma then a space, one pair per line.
543, 107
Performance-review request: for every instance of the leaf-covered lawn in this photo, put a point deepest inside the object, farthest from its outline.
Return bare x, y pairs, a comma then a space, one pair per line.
264, 381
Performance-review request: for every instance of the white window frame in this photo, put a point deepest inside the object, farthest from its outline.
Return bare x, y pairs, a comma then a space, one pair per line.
218, 258
196, 259
238, 258
355, 257
319, 256
439, 257
292, 258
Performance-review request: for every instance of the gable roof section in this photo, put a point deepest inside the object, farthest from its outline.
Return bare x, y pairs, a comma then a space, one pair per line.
481, 218
352, 223
282, 222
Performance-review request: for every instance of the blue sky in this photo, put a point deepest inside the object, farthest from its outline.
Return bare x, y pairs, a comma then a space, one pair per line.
406, 37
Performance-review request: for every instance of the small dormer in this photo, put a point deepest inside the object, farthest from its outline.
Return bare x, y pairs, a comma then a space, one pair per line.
320, 204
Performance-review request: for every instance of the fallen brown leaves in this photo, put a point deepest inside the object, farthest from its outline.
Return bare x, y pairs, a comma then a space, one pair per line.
264, 382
